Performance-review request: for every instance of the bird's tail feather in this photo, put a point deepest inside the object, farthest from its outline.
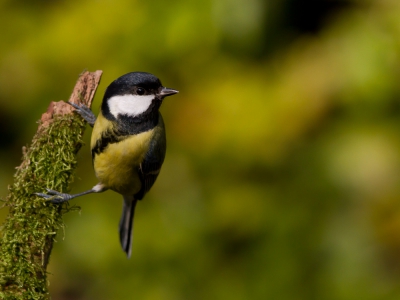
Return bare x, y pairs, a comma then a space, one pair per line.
126, 224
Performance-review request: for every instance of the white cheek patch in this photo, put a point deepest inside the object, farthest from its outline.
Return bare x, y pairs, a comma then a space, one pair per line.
130, 105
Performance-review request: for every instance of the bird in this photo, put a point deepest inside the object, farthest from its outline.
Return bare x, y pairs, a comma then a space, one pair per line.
128, 144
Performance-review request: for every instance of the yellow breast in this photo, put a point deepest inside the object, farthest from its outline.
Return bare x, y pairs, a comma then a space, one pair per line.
116, 167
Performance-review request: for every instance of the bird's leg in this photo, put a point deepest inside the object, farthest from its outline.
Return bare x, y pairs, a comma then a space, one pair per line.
57, 197
85, 113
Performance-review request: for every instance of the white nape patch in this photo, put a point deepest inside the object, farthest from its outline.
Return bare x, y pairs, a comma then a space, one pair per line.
130, 105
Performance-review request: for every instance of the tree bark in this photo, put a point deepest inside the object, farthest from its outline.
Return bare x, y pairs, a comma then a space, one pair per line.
29, 230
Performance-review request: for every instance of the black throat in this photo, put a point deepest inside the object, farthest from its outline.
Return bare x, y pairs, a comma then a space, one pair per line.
134, 125
124, 126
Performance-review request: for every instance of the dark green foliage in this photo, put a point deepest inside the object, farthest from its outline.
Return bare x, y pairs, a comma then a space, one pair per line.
32, 223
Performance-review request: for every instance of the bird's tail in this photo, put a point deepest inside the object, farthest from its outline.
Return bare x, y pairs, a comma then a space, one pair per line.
126, 224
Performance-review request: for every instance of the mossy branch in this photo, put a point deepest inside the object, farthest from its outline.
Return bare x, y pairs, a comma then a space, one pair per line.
32, 223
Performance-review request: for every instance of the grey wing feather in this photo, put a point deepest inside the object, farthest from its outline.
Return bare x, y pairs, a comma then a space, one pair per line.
153, 160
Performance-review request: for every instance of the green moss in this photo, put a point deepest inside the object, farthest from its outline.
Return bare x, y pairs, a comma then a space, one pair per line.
32, 223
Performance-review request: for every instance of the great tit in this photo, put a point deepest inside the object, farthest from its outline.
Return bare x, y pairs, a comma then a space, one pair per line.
128, 144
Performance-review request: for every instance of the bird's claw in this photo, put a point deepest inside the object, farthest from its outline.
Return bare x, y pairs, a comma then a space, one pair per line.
54, 196
84, 112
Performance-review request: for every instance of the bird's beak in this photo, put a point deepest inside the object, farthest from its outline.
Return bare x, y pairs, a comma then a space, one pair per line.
167, 92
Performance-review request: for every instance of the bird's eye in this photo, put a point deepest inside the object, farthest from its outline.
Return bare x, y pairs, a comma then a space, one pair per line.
140, 91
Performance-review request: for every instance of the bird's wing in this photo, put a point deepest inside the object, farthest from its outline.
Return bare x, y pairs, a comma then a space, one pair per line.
154, 158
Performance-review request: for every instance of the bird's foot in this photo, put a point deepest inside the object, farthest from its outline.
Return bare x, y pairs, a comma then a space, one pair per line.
54, 196
84, 112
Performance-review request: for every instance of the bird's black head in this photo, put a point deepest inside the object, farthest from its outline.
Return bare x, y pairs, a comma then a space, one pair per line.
133, 95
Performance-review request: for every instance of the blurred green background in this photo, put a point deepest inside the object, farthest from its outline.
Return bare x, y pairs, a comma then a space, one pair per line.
282, 173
